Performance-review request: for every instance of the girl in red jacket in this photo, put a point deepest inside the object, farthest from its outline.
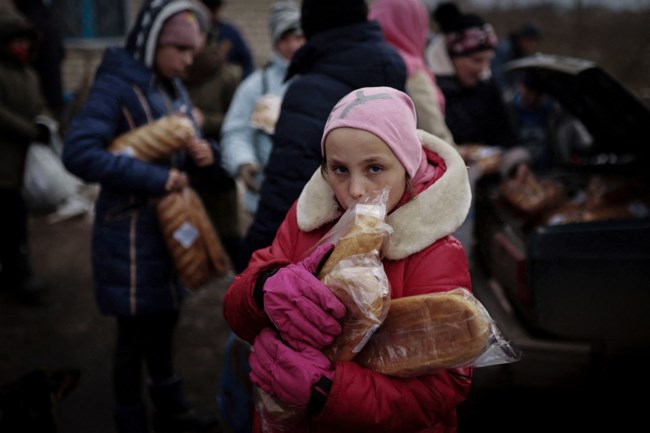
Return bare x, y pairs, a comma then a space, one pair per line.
278, 305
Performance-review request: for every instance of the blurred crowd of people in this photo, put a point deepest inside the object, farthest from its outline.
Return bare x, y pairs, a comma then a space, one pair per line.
257, 143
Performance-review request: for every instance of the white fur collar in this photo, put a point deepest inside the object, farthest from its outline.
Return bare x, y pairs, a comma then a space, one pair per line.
434, 213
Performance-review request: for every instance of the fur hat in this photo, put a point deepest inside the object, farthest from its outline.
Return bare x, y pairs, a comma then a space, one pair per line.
320, 15
385, 112
284, 16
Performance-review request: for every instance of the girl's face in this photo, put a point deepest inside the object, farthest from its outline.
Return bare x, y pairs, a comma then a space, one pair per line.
289, 44
470, 68
358, 162
173, 60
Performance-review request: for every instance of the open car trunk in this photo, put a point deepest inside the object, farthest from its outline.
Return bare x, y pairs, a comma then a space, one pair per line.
578, 268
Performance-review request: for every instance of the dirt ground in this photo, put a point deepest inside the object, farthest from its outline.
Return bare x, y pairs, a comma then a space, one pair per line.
68, 331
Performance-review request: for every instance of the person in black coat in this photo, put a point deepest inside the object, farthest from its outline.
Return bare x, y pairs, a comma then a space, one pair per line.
50, 53
344, 51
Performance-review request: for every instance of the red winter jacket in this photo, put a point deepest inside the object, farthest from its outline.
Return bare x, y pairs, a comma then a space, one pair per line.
422, 257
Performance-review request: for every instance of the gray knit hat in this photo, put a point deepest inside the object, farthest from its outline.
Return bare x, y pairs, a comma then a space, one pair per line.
283, 16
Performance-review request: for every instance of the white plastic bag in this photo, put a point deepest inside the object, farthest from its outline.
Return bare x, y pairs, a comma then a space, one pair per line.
47, 184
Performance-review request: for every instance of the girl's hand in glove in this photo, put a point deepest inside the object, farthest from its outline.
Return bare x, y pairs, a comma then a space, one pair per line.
286, 373
304, 310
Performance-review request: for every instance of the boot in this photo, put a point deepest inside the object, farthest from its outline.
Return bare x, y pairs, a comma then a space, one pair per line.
131, 419
172, 411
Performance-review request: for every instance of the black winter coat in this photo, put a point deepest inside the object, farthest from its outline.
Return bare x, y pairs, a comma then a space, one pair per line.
329, 66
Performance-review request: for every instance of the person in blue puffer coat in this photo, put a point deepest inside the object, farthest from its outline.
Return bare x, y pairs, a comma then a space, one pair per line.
344, 51
133, 273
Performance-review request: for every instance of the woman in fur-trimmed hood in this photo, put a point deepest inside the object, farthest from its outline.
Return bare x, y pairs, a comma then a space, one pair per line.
370, 141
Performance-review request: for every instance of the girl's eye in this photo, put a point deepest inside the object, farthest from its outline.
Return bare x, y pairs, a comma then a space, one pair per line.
339, 170
374, 169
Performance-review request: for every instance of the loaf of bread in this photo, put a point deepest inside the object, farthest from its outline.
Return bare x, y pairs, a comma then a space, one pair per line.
487, 158
217, 257
360, 283
428, 332
156, 140
355, 274
266, 113
532, 196
191, 239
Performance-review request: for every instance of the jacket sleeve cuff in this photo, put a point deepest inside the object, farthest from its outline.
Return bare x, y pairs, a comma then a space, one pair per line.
258, 290
319, 393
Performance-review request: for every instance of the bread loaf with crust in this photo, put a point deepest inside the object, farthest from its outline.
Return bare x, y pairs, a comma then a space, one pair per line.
355, 274
156, 140
217, 256
193, 243
531, 196
424, 333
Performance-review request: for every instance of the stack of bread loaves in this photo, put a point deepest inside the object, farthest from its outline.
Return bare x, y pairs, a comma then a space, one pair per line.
355, 274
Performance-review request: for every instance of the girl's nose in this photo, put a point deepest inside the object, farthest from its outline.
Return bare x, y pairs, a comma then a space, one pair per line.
357, 186
188, 58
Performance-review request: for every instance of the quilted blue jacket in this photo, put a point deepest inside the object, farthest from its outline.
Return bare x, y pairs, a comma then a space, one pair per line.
132, 269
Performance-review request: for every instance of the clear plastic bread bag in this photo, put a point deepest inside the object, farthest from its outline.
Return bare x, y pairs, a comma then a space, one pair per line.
355, 273
434, 331
266, 113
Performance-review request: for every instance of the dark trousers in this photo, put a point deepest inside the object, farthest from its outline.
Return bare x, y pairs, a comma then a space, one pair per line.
145, 339
14, 257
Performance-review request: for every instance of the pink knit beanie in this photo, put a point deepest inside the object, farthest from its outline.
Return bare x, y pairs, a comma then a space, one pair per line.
385, 112
181, 29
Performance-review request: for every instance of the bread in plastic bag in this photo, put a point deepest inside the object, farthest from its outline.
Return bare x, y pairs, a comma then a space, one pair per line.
156, 140
355, 273
434, 331
192, 241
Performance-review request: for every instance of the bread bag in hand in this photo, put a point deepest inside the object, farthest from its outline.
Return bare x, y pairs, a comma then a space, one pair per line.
355, 273
156, 140
192, 241
429, 332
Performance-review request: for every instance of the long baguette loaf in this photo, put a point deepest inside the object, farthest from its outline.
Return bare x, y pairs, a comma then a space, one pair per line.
191, 239
215, 251
155, 140
360, 284
427, 332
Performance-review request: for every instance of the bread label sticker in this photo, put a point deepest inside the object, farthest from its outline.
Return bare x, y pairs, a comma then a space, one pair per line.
128, 151
186, 235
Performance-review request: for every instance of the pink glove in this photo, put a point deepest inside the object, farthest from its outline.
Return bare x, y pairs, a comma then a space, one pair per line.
304, 310
285, 373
